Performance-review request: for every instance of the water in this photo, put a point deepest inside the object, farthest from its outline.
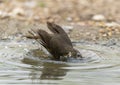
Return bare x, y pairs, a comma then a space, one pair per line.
18, 66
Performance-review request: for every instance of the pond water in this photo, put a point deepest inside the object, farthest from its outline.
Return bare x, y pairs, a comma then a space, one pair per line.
19, 66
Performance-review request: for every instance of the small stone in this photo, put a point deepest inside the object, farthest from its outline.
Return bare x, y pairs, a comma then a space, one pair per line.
102, 31
108, 28
36, 18
25, 49
20, 45
101, 24
104, 35
87, 33
69, 19
98, 17
112, 24
17, 11
3, 14
76, 19
30, 4
109, 33
6, 47
117, 31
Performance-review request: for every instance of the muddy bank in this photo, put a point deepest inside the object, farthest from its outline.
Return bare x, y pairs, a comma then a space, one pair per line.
11, 28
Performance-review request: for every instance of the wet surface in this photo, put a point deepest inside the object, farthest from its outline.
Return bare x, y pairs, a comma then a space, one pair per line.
22, 63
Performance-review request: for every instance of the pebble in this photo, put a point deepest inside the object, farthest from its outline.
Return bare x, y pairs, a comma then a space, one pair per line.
17, 11
69, 19
6, 47
3, 14
109, 33
102, 31
112, 24
67, 28
98, 17
104, 35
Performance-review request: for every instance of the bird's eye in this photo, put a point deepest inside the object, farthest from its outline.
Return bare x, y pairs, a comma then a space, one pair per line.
79, 55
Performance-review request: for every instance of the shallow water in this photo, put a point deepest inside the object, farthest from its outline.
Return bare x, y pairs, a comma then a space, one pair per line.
19, 66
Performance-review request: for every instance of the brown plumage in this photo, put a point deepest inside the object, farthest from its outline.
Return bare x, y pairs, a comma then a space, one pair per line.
58, 43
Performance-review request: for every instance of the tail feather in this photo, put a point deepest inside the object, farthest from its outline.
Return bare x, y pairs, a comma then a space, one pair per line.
44, 38
55, 28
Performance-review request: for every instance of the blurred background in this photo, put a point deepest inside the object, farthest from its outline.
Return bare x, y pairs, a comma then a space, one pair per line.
102, 17
60, 10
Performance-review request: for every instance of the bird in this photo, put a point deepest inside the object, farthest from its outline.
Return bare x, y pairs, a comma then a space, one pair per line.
58, 44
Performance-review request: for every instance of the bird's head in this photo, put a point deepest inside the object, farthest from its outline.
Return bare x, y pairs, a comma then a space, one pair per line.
75, 54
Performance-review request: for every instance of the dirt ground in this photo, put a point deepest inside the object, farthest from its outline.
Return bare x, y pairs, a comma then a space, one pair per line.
59, 10
90, 20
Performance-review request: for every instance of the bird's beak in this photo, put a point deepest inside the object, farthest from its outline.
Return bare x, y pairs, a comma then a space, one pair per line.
79, 55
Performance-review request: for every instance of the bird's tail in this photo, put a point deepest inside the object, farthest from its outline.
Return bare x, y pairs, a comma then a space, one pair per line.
41, 36
44, 38
58, 30
55, 28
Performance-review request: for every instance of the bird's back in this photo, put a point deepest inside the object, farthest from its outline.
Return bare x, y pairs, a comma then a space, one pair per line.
58, 46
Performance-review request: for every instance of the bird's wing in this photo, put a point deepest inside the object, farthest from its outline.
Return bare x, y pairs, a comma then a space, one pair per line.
44, 38
56, 29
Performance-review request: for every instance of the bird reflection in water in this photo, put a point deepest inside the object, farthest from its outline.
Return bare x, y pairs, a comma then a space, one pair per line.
46, 70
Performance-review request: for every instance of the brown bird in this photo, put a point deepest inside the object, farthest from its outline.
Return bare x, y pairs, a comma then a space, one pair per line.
57, 44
